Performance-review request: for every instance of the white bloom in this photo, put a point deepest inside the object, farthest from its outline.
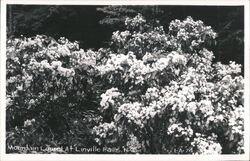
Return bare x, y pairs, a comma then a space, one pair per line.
206, 146
108, 98
191, 107
28, 123
56, 64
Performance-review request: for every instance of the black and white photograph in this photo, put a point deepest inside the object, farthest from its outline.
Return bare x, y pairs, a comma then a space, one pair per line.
125, 79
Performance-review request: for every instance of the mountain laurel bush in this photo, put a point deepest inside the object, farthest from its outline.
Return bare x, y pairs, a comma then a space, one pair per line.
156, 90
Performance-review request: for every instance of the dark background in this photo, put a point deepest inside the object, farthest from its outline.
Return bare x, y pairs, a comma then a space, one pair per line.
92, 26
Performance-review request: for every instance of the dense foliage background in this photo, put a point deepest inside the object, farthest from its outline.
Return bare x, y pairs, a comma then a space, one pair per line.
150, 83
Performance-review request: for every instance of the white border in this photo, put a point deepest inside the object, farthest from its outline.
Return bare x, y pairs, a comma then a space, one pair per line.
246, 77
90, 157
129, 2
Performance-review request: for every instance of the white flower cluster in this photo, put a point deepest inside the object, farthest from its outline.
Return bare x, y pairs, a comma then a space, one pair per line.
190, 28
152, 41
236, 120
161, 64
9, 101
224, 70
132, 111
56, 51
120, 37
179, 99
117, 62
177, 58
241, 147
28, 123
206, 145
65, 72
36, 41
152, 93
176, 96
173, 58
137, 113
55, 67
109, 98
228, 85
158, 35
206, 107
178, 131
63, 50
202, 61
148, 57
104, 130
192, 107
139, 69
194, 31
198, 82
80, 58
70, 45
135, 22
133, 145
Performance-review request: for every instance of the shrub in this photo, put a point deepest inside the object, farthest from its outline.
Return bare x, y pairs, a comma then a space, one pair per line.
51, 92
154, 90
167, 95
